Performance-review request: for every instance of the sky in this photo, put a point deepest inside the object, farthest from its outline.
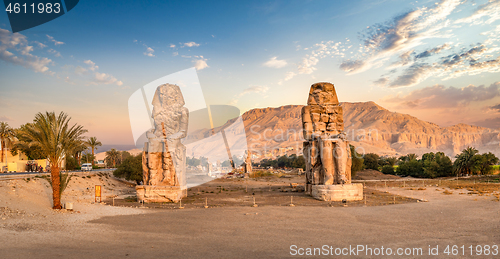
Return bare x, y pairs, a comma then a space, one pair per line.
436, 60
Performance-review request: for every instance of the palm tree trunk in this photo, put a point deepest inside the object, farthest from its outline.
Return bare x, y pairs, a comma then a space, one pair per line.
56, 187
92, 156
77, 156
3, 148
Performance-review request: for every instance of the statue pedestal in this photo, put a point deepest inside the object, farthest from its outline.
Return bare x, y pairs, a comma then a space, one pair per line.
150, 193
338, 192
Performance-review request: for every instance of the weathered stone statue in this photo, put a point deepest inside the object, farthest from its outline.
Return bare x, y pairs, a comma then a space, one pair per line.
326, 150
248, 165
164, 156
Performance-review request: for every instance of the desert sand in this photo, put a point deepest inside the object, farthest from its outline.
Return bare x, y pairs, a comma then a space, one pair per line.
30, 229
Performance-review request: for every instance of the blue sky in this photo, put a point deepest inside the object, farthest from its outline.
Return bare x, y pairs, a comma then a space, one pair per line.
437, 60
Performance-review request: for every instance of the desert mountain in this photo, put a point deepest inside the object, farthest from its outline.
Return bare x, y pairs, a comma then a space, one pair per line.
369, 127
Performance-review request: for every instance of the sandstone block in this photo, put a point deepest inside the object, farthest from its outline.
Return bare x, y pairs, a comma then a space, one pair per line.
333, 109
315, 117
324, 117
319, 126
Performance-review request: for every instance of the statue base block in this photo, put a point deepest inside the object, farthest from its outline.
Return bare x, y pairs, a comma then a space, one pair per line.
338, 192
150, 193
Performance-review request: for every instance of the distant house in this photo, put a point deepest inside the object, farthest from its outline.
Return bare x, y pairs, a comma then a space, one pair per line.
100, 163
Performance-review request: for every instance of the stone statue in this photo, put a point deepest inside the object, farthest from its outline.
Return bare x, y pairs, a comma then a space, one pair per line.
164, 156
247, 164
326, 150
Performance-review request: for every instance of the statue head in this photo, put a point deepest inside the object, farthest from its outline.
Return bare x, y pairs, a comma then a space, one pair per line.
168, 95
322, 94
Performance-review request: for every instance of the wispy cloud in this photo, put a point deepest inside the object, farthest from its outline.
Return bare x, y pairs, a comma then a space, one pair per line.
485, 14
96, 77
200, 63
103, 78
439, 96
274, 62
149, 52
92, 65
54, 52
256, 89
16, 42
190, 44
54, 41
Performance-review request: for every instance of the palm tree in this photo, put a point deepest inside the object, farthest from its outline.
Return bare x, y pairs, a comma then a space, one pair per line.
112, 156
77, 151
56, 138
464, 162
93, 143
6, 137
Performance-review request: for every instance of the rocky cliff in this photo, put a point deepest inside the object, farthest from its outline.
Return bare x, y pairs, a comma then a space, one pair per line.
369, 127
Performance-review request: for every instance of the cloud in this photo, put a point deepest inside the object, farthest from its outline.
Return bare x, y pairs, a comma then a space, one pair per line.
467, 61
175, 53
495, 107
490, 10
96, 77
201, 63
103, 78
439, 96
172, 45
16, 42
401, 34
430, 52
352, 65
274, 62
404, 59
289, 75
307, 65
256, 89
54, 41
149, 52
191, 44
40, 45
92, 65
412, 76
80, 70
456, 59
54, 52
381, 81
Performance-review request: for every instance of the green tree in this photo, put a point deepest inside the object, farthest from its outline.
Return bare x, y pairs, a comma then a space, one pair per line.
410, 168
483, 163
93, 143
357, 161
130, 169
78, 150
112, 157
193, 161
56, 137
388, 169
371, 161
464, 162
7, 137
23, 146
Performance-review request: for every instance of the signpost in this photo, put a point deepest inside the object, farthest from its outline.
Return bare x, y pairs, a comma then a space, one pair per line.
98, 193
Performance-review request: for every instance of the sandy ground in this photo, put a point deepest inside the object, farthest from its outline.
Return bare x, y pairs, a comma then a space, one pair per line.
30, 229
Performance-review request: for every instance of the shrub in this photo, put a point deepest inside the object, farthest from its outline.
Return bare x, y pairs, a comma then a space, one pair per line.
388, 169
